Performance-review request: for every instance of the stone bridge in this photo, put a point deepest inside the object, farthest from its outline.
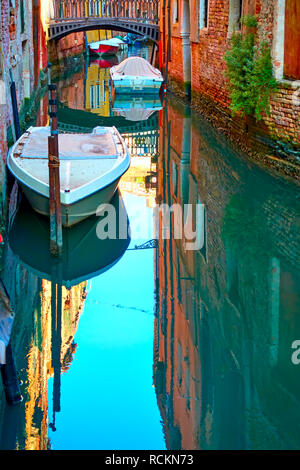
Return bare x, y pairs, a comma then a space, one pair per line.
132, 16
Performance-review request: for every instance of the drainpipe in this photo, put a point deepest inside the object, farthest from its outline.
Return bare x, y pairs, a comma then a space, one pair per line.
186, 51
186, 47
169, 40
14, 106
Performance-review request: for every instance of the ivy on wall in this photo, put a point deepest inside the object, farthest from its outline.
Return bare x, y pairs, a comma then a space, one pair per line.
250, 73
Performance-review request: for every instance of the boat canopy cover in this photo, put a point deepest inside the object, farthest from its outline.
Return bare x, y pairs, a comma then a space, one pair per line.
136, 66
71, 146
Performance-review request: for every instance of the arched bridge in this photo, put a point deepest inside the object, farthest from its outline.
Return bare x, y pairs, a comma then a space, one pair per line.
133, 16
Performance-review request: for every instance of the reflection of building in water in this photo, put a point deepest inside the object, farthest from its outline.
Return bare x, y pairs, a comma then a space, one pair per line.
137, 50
98, 35
141, 178
228, 312
97, 90
27, 428
40, 361
71, 91
143, 144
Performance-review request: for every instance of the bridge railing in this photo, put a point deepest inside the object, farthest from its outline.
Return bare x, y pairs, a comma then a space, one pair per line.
145, 11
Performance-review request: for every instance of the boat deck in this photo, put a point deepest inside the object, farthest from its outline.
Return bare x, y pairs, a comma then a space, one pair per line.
83, 157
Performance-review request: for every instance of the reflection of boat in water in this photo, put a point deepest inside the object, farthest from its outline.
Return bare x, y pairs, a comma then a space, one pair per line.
105, 63
136, 75
140, 40
137, 108
105, 47
84, 254
91, 166
131, 39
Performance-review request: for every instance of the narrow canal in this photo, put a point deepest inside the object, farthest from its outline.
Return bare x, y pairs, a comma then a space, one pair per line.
161, 341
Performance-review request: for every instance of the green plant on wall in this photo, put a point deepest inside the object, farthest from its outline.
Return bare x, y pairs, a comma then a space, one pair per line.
250, 73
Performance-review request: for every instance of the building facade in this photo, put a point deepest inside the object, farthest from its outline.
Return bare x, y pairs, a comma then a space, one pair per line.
23, 55
200, 32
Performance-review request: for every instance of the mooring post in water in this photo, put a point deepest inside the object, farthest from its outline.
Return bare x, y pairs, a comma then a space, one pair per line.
152, 54
10, 379
56, 342
54, 179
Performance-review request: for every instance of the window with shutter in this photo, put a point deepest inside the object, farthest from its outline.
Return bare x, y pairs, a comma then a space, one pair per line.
292, 40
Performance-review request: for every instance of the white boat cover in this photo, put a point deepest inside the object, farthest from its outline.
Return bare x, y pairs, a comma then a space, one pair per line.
71, 146
136, 66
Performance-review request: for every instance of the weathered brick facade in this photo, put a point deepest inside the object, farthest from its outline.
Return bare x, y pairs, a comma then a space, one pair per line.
209, 35
23, 55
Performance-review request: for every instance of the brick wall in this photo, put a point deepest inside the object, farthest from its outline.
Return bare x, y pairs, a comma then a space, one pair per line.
176, 63
72, 44
24, 54
209, 85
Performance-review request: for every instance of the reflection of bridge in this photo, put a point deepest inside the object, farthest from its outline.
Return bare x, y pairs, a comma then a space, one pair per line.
134, 16
141, 136
76, 120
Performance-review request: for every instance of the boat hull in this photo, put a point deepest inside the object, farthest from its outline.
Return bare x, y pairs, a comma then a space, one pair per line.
73, 213
142, 86
90, 169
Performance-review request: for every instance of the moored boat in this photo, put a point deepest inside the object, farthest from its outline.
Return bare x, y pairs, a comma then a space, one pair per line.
91, 166
105, 47
136, 75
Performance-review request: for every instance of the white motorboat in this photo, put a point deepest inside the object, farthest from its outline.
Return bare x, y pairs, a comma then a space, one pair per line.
136, 75
91, 166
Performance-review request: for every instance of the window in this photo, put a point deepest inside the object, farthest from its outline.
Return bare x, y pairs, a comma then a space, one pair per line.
235, 15
187, 383
12, 22
26, 68
175, 178
292, 40
92, 96
98, 96
175, 11
22, 15
203, 14
179, 363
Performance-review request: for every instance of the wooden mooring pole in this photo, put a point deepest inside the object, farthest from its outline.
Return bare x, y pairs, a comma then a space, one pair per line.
152, 61
56, 241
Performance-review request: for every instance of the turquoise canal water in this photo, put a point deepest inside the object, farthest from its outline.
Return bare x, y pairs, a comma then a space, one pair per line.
158, 341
